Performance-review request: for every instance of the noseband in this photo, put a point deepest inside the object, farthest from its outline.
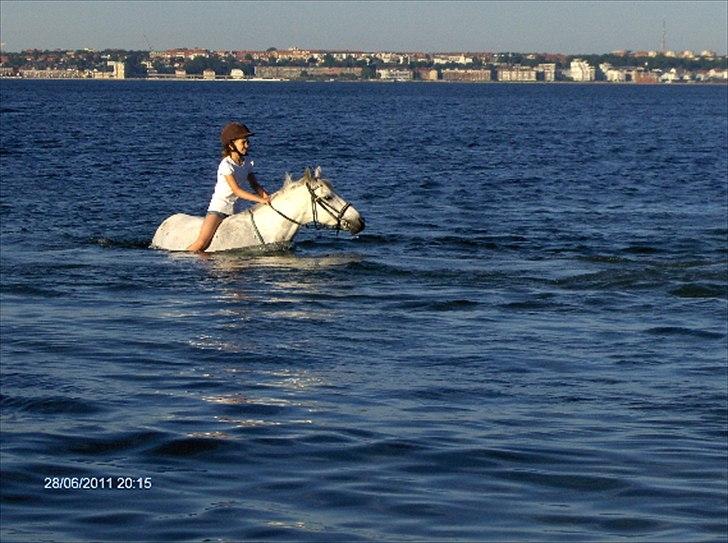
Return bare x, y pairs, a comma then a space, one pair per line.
338, 215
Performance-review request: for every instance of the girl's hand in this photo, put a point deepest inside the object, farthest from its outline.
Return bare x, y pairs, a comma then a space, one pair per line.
265, 198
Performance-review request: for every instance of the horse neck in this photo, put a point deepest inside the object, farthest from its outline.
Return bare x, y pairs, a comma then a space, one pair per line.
294, 203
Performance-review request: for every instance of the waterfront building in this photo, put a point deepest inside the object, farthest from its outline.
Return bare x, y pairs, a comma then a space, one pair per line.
710, 76
294, 53
418, 57
516, 73
602, 70
183, 53
582, 71
278, 72
641, 76
674, 75
426, 74
611, 73
394, 74
180, 74
247, 56
484, 58
237, 73
700, 75
335, 71
208, 74
466, 75
391, 58
452, 59
340, 56
51, 73
546, 72
118, 69
298, 72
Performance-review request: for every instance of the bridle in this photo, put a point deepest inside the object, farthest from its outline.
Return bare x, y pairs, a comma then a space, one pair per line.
315, 199
338, 215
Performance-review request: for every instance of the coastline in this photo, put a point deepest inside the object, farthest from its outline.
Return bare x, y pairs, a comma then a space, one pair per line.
413, 81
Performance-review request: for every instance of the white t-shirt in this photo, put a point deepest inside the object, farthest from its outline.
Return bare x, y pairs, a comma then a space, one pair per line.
223, 199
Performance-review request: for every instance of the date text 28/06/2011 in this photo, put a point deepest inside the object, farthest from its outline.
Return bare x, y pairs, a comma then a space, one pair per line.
97, 483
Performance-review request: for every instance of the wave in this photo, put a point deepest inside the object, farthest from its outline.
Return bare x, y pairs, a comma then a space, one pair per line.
641, 250
49, 405
701, 290
606, 259
680, 331
437, 305
188, 447
538, 305
451, 275
121, 243
29, 289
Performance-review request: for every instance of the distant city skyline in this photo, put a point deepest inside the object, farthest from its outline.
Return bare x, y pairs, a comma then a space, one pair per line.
556, 26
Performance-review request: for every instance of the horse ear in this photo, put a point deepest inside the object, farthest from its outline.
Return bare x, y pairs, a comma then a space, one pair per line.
307, 173
317, 172
288, 180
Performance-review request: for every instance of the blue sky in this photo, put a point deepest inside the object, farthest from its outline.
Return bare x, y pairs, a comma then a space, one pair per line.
541, 26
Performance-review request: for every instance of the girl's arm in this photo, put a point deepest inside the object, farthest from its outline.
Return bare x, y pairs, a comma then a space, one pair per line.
240, 193
256, 186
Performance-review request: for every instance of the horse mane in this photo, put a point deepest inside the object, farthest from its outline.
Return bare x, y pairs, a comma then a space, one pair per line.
308, 175
290, 184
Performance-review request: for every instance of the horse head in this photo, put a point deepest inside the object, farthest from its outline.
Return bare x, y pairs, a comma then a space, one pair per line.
327, 207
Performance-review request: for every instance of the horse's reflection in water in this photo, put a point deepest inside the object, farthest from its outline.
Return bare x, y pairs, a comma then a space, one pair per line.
234, 263
273, 287
284, 278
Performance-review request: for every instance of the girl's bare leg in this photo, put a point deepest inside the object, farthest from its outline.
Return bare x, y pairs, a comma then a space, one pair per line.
209, 227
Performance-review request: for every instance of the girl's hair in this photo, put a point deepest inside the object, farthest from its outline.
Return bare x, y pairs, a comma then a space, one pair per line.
225, 150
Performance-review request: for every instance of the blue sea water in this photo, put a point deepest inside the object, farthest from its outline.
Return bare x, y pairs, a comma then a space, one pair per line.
528, 341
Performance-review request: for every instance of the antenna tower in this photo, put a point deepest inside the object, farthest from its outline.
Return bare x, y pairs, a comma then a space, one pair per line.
664, 36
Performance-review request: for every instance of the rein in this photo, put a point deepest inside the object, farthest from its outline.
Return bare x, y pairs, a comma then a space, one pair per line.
338, 215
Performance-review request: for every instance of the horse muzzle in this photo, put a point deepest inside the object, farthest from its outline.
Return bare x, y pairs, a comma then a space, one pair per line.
356, 226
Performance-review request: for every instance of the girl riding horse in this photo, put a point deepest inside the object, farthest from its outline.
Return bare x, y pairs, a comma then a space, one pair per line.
234, 169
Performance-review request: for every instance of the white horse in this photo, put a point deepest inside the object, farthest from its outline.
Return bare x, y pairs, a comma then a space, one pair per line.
311, 199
